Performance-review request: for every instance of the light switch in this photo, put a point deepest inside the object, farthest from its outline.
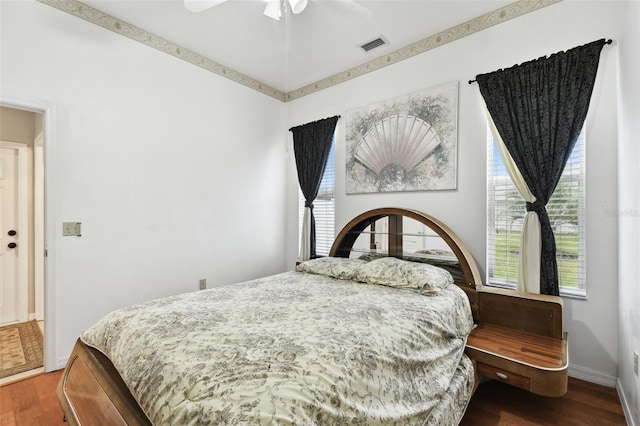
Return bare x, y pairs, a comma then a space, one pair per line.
71, 229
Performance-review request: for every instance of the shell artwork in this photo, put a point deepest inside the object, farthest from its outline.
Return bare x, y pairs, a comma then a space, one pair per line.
397, 140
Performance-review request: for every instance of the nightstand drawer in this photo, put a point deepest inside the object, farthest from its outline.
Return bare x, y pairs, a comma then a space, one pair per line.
504, 376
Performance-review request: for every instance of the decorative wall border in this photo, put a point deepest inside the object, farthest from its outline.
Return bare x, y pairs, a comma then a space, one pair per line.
480, 23
472, 26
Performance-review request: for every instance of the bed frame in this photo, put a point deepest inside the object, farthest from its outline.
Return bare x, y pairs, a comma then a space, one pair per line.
345, 240
91, 391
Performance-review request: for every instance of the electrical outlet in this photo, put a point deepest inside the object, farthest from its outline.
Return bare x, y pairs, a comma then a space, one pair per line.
71, 229
635, 362
203, 284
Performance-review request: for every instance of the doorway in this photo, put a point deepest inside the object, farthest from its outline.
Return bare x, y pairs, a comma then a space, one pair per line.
21, 218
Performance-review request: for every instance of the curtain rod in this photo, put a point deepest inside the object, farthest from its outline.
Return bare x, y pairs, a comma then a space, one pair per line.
609, 41
311, 122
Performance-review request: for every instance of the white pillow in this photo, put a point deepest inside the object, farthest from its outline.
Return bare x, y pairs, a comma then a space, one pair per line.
394, 272
336, 267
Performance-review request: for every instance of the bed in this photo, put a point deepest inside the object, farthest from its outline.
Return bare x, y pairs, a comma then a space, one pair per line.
373, 334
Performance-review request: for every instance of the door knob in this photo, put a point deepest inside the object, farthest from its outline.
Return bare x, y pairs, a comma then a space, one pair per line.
12, 232
12, 245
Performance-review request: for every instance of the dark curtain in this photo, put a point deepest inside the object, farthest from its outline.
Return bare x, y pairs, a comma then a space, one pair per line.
311, 145
539, 108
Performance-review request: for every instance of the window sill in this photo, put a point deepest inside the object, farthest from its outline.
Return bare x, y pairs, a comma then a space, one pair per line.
578, 295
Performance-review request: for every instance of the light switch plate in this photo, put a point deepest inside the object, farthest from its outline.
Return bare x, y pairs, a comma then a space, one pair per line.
71, 229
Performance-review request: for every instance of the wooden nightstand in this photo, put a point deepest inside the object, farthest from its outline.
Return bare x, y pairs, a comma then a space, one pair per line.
519, 340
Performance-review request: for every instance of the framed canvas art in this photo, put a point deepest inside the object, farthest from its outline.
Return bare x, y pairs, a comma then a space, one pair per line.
408, 143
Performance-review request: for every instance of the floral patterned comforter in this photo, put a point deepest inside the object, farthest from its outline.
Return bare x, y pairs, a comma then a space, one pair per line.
293, 348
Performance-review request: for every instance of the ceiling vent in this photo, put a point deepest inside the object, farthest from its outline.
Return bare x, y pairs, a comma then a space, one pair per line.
380, 41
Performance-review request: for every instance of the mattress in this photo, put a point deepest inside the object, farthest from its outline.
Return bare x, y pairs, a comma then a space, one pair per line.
295, 348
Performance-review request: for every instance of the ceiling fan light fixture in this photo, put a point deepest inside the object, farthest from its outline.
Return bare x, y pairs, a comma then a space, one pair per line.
197, 6
272, 10
297, 6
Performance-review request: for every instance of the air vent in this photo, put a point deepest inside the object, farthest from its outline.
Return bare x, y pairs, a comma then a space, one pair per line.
373, 44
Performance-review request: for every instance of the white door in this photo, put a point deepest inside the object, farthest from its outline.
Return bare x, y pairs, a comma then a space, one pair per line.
13, 233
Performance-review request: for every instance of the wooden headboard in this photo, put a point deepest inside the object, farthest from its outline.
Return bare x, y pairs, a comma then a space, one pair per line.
469, 278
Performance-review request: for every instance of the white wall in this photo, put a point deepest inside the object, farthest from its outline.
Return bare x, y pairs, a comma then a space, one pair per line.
591, 323
629, 211
167, 166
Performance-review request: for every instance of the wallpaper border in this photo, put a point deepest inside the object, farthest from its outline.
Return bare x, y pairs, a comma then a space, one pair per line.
480, 23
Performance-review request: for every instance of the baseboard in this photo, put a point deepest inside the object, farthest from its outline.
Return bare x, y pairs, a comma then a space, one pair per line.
62, 363
592, 376
625, 404
33, 316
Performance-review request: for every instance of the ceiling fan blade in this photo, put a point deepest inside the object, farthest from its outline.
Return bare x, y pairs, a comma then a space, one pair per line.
200, 5
273, 9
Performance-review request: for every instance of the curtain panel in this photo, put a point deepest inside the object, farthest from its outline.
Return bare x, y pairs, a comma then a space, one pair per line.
529, 257
539, 108
311, 146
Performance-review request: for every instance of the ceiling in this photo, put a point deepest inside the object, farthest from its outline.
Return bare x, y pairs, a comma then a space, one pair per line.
300, 49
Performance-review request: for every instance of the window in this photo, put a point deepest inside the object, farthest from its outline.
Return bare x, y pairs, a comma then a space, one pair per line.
323, 207
505, 215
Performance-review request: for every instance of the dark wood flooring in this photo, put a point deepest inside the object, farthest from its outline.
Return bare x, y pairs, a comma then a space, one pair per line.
33, 402
584, 404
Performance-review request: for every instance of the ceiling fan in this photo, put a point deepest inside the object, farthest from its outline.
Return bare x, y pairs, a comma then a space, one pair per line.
272, 10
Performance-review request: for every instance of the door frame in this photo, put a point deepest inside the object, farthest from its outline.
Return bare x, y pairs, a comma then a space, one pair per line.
38, 225
22, 225
48, 111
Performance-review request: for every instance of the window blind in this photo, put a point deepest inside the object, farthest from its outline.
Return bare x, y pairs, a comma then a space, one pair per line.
323, 208
505, 216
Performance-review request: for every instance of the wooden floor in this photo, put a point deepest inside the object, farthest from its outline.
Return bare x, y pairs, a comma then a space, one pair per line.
496, 403
33, 402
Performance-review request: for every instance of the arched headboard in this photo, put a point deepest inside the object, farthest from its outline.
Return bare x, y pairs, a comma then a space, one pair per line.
469, 279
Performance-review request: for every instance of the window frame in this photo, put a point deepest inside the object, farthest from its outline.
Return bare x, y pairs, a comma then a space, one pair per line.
574, 179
